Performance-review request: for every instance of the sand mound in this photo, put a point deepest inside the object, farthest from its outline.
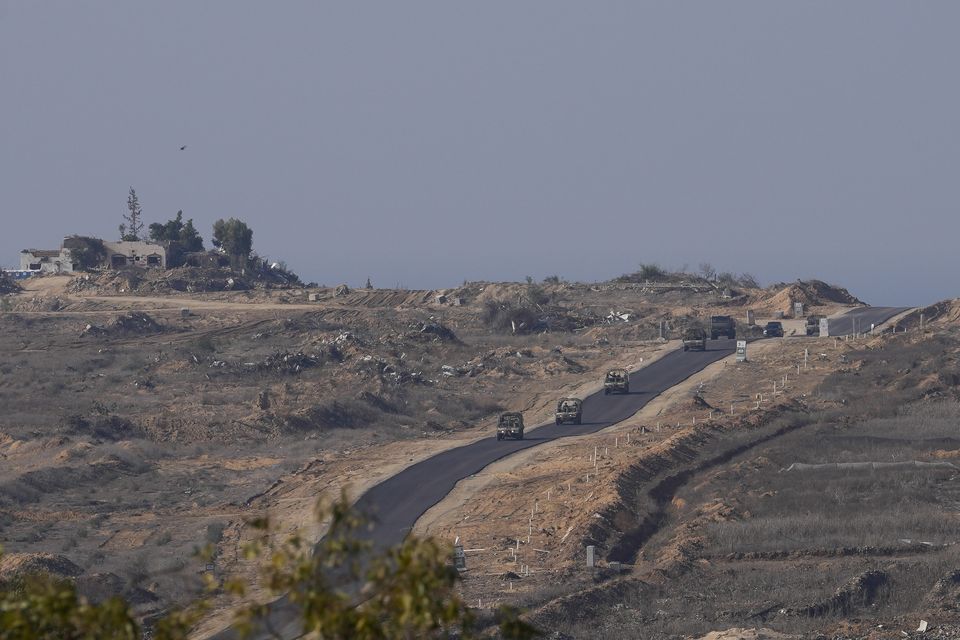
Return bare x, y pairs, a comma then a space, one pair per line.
812, 293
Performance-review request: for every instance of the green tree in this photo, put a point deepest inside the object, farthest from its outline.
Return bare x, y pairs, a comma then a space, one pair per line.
130, 230
235, 238
409, 591
178, 236
39, 607
86, 252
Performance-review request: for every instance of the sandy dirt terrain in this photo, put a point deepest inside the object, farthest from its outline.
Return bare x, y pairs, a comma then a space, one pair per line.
141, 425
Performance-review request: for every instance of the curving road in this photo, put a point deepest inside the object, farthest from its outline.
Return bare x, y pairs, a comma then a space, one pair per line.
397, 502
860, 319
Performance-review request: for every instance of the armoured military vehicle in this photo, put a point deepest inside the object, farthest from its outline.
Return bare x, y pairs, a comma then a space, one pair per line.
694, 339
722, 326
510, 425
569, 410
773, 329
616, 381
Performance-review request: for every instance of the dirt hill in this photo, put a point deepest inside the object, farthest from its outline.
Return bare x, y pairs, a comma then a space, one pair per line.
811, 293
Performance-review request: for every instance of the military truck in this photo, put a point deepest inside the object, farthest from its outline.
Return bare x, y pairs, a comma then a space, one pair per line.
510, 425
694, 339
722, 326
569, 410
813, 325
616, 381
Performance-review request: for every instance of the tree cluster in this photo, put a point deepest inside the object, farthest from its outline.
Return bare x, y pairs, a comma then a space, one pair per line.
178, 236
87, 253
236, 240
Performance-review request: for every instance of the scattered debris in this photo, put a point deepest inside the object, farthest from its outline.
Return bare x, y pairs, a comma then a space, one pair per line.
130, 323
621, 316
438, 332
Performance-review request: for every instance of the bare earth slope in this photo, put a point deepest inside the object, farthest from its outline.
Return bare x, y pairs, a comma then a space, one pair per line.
140, 425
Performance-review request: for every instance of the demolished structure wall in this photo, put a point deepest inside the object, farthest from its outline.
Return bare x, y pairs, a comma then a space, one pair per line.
47, 260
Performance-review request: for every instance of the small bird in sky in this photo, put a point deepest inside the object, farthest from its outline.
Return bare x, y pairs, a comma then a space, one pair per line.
183, 148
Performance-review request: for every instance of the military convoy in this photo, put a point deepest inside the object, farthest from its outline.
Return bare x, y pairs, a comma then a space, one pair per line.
569, 410
510, 426
616, 381
694, 339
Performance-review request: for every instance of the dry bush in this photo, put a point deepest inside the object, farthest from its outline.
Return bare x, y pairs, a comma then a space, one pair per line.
505, 316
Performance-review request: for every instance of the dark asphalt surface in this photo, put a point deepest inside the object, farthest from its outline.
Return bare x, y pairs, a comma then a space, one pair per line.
396, 503
861, 319
399, 501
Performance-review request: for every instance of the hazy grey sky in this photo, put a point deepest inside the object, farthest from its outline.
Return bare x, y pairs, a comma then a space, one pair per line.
424, 143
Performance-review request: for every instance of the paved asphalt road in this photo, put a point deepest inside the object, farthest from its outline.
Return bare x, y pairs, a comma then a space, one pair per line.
861, 319
397, 502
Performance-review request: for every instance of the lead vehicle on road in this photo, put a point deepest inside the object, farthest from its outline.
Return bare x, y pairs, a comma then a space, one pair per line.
510, 426
616, 381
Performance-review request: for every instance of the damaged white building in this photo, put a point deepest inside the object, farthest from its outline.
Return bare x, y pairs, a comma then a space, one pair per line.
47, 260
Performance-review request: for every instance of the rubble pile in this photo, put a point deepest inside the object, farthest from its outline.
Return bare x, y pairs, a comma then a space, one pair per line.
289, 363
433, 332
507, 317
130, 323
181, 279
